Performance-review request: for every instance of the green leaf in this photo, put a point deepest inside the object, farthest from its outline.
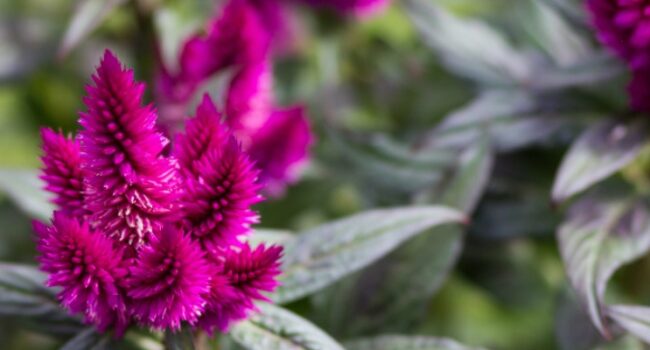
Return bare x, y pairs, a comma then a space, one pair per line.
633, 318
597, 238
601, 150
468, 47
268, 236
397, 342
88, 15
510, 118
321, 256
88, 339
25, 189
405, 280
278, 329
23, 295
181, 340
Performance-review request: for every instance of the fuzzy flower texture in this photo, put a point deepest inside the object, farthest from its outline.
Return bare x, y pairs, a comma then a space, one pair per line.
147, 232
624, 27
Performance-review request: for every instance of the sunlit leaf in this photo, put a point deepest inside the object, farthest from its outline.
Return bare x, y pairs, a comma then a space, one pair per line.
321, 256
88, 15
397, 342
597, 238
25, 189
279, 329
600, 151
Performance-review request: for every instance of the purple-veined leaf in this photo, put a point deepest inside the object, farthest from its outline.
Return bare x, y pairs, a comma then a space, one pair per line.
323, 255
599, 152
26, 190
87, 16
279, 329
632, 318
402, 342
597, 238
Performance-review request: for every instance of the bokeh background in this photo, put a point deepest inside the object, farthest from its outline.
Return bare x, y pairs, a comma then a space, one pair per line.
380, 92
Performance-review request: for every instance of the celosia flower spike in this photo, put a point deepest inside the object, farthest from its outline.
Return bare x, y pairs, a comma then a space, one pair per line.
62, 172
168, 281
221, 182
131, 188
224, 305
202, 133
252, 272
87, 267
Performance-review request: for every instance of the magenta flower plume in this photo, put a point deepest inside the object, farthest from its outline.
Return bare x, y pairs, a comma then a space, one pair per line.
168, 280
202, 133
224, 306
132, 188
250, 100
62, 171
87, 267
222, 184
252, 272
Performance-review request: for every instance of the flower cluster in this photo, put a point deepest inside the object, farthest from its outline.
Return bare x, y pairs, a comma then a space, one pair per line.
624, 26
147, 232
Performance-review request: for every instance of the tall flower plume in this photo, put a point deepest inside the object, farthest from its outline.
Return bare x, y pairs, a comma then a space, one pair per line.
168, 280
62, 172
623, 26
87, 267
132, 188
244, 274
221, 182
145, 230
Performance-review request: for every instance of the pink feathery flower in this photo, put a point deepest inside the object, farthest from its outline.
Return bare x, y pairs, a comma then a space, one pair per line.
221, 182
224, 305
131, 187
355, 7
202, 133
277, 139
88, 269
253, 271
168, 281
244, 274
62, 171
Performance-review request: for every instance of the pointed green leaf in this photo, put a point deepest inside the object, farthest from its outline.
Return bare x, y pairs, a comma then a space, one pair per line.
25, 189
398, 342
597, 238
276, 328
601, 151
88, 339
321, 256
468, 47
88, 15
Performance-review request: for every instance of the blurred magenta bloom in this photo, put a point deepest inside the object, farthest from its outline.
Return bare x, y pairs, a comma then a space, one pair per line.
243, 37
623, 26
147, 232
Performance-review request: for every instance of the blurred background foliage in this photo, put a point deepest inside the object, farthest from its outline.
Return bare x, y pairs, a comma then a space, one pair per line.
410, 106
